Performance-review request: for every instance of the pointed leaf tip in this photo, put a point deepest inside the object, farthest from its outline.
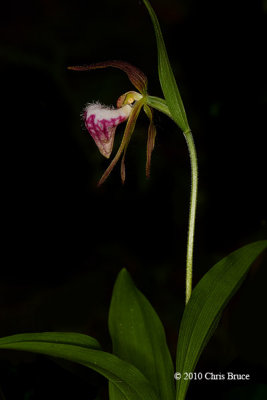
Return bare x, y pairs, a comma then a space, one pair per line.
166, 76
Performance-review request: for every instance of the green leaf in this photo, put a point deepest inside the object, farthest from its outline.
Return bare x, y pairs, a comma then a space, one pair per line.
166, 76
114, 393
205, 306
125, 377
138, 336
76, 339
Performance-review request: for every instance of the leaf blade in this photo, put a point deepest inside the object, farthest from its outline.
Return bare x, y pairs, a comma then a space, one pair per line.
138, 336
127, 379
208, 299
72, 338
166, 76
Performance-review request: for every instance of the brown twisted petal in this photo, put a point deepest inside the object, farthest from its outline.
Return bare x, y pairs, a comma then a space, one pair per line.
150, 139
136, 76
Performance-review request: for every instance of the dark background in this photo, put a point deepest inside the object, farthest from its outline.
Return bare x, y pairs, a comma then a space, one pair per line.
64, 241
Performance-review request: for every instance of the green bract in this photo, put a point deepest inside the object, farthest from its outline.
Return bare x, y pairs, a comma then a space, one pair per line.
166, 76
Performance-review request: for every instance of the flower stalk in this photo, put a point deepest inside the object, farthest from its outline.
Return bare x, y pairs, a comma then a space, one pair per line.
161, 105
192, 213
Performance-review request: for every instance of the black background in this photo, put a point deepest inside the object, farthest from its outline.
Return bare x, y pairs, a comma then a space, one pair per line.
64, 241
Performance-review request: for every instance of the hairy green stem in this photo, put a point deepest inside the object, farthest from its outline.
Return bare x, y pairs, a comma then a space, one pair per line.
192, 213
161, 105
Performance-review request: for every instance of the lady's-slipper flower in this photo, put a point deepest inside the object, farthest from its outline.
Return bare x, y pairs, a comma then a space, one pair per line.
101, 121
